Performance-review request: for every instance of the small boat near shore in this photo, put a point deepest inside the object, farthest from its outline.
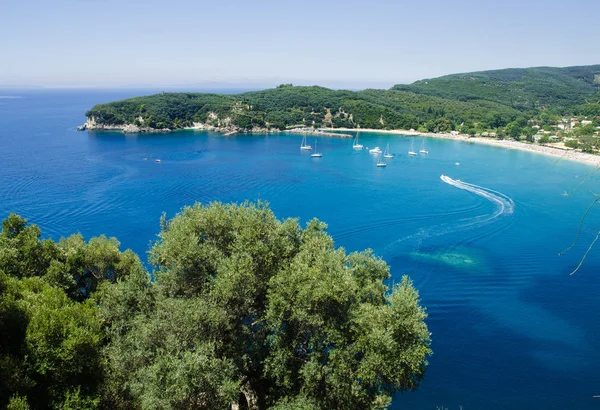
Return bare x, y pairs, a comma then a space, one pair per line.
304, 144
316, 154
380, 162
423, 150
375, 150
386, 153
412, 151
356, 145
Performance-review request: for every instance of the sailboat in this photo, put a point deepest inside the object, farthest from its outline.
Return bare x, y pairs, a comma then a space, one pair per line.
304, 145
386, 153
380, 162
316, 154
423, 150
356, 145
411, 151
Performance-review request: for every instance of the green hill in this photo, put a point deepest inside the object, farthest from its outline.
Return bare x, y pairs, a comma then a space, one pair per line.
520, 88
486, 100
287, 106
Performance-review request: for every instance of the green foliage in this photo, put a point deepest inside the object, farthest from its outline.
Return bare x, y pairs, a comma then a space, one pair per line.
572, 144
294, 315
520, 88
63, 342
17, 403
588, 144
52, 344
50, 349
287, 106
245, 310
487, 100
22, 254
13, 326
586, 130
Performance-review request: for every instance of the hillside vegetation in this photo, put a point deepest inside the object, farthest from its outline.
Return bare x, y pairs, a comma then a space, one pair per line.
508, 101
519, 88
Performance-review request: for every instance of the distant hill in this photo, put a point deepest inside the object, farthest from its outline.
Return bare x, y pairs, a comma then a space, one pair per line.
519, 88
472, 102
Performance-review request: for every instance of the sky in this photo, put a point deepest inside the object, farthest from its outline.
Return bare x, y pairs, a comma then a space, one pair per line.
339, 44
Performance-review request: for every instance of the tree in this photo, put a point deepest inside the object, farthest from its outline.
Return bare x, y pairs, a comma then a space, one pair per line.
529, 132
586, 130
50, 349
50, 345
514, 130
496, 120
22, 254
246, 311
18, 403
13, 325
63, 342
588, 144
72, 264
572, 144
277, 312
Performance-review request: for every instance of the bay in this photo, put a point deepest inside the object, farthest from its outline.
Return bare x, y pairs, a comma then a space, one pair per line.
510, 327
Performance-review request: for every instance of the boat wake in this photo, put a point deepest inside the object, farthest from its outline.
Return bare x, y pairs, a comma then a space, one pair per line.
504, 206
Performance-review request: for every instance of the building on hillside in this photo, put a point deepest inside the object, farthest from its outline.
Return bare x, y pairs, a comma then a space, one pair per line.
585, 122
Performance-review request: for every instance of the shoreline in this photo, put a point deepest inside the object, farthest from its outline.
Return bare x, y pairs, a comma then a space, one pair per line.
556, 152
570, 155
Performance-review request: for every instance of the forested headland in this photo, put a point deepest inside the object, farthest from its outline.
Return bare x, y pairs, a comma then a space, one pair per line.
529, 103
244, 311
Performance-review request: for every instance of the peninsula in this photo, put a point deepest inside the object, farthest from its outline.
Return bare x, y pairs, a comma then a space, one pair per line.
553, 107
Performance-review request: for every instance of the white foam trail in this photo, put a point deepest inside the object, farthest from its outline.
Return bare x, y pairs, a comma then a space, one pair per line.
504, 204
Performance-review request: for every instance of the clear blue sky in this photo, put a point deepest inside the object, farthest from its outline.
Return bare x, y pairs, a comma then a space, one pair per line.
348, 43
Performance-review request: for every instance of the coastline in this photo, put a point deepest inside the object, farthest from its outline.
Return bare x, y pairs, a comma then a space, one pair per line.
227, 130
570, 155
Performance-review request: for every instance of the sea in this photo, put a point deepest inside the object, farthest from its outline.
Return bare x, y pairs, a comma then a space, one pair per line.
480, 230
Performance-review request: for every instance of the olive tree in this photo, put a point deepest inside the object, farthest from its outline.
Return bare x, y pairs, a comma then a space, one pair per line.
256, 312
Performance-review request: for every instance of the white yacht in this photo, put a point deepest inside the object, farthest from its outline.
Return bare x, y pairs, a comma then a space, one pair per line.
423, 150
304, 145
375, 150
412, 151
386, 153
316, 154
380, 162
356, 145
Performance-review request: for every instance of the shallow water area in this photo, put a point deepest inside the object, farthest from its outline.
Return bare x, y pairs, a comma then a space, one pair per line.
510, 327
461, 259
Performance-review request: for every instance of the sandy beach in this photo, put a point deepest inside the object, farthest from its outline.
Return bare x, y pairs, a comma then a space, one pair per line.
566, 154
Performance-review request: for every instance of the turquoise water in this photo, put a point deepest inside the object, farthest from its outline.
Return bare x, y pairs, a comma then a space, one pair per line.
510, 327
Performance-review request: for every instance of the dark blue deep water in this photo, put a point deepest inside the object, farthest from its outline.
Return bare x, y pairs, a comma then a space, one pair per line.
510, 327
